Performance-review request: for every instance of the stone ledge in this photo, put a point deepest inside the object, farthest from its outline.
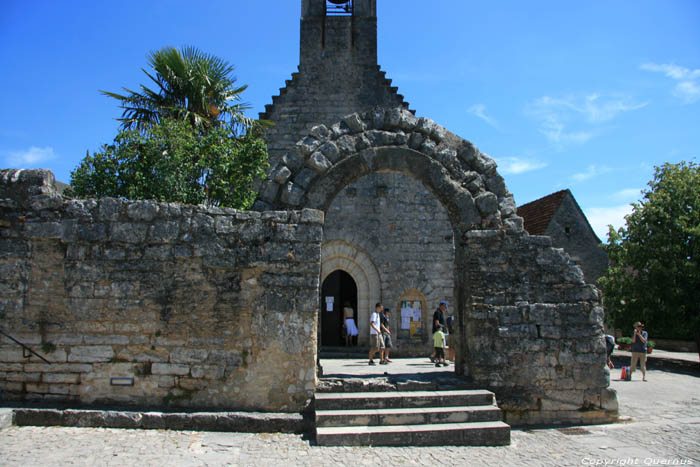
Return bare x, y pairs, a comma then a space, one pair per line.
5, 418
242, 422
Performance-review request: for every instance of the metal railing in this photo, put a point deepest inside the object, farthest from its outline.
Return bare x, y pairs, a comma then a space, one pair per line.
24, 347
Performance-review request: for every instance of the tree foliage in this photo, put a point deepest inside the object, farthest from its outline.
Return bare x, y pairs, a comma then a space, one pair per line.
171, 161
654, 275
190, 85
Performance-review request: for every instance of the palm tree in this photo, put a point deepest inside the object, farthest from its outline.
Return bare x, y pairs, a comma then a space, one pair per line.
192, 86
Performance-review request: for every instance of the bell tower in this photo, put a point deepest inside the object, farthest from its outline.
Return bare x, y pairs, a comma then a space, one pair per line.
338, 73
340, 30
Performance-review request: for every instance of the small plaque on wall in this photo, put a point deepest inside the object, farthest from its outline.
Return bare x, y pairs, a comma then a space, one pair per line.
121, 381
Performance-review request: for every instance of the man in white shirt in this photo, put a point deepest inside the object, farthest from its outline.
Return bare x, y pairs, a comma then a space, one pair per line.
376, 342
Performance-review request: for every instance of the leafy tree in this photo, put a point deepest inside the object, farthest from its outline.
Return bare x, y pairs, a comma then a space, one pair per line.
191, 86
171, 161
654, 273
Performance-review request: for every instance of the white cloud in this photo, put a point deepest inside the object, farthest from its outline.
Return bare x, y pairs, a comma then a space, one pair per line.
479, 110
568, 120
629, 194
515, 165
590, 172
601, 217
688, 81
30, 157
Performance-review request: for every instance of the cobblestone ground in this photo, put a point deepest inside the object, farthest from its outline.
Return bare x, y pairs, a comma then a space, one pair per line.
662, 427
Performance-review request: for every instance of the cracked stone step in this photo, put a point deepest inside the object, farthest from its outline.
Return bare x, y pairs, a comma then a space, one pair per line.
457, 434
401, 399
407, 416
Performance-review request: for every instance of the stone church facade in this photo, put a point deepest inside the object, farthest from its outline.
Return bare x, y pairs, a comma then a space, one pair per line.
160, 304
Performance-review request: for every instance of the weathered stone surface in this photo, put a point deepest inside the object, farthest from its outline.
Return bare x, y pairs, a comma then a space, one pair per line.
487, 203
281, 174
318, 162
161, 297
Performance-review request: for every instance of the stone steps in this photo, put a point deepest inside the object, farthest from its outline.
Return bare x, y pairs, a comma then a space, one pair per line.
455, 434
402, 399
409, 418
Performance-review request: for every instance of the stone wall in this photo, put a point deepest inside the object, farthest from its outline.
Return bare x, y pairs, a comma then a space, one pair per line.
570, 230
532, 330
529, 327
203, 307
409, 238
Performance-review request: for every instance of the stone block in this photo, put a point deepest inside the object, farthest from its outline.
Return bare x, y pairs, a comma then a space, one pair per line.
128, 232
12, 355
142, 210
608, 399
170, 369
186, 355
562, 400
23, 377
292, 194
209, 371
90, 354
318, 162
63, 378
58, 367
355, 123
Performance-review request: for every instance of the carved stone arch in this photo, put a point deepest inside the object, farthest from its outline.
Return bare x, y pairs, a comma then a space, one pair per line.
392, 140
340, 255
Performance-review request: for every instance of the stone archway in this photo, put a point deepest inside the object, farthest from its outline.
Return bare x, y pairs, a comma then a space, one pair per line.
462, 178
337, 255
530, 327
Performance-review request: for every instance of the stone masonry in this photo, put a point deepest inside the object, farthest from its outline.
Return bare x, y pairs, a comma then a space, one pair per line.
529, 327
338, 75
410, 238
203, 307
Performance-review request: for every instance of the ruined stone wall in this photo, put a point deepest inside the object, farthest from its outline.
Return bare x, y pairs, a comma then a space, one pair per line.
409, 238
202, 307
532, 330
570, 230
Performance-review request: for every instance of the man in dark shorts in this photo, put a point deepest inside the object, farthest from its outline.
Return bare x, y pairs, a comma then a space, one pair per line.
386, 333
438, 320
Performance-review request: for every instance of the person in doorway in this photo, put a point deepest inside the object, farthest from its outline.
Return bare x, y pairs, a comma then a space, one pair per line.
609, 347
451, 338
639, 349
376, 343
439, 344
386, 333
438, 320
349, 324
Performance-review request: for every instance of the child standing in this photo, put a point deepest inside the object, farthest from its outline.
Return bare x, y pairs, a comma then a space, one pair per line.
439, 344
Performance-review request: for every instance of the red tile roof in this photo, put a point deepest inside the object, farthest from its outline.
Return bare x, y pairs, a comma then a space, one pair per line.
538, 214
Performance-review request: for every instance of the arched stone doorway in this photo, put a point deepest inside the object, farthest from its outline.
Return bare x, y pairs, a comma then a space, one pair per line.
337, 290
339, 255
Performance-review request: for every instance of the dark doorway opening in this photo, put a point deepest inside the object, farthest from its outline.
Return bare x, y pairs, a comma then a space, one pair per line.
338, 288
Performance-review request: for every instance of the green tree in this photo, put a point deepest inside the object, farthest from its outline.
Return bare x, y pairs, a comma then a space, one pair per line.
654, 275
171, 161
191, 86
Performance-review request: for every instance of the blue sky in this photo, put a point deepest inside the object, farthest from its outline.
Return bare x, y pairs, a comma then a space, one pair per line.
581, 95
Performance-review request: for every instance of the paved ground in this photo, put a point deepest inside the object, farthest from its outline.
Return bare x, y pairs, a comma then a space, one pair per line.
662, 427
359, 367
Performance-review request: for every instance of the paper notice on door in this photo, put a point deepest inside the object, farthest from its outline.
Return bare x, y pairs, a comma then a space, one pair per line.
329, 303
405, 322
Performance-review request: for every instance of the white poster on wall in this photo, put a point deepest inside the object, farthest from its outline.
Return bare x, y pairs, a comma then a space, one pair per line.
406, 315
